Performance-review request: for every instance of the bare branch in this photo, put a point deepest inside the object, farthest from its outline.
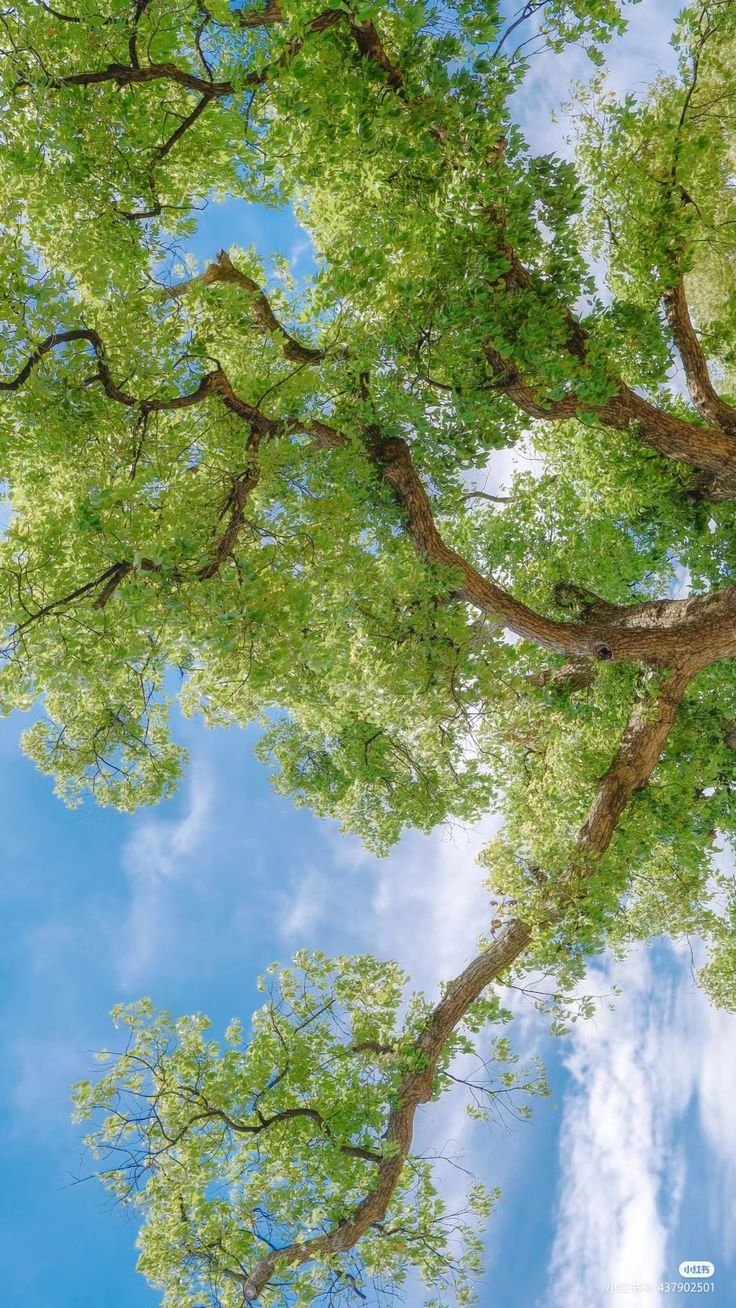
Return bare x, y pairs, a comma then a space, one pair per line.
484, 495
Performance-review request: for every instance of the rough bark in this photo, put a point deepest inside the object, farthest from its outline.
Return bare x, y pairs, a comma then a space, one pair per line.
700, 387
709, 449
657, 632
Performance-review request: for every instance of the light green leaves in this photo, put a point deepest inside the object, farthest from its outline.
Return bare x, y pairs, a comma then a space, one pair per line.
200, 502
229, 1151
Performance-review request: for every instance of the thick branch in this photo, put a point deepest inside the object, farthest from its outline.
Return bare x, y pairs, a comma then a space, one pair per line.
267, 17
371, 47
394, 460
656, 631
235, 506
213, 383
121, 571
128, 75
707, 448
641, 746
576, 674
224, 270
642, 743
702, 392
50, 343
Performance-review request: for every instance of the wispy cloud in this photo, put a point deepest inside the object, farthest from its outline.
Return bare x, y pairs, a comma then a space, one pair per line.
425, 904
623, 1166
303, 905
299, 251
715, 1065
611, 1151
156, 855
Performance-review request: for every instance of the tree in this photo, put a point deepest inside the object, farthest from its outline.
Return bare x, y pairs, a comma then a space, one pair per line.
269, 489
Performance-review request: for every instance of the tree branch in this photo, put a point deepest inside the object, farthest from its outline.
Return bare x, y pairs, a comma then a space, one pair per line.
707, 448
267, 17
50, 343
224, 270
642, 743
371, 47
484, 495
657, 631
702, 392
132, 74
213, 383
183, 127
114, 573
236, 502
128, 75
122, 570
209, 1113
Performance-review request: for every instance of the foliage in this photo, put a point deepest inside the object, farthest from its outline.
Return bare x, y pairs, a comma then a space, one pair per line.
235, 1150
268, 497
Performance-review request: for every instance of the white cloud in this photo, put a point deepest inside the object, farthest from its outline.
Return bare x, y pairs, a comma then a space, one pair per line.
156, 855
682, 583
303, 906
623, 1165
609, 1227
716, 1077
632, 63
498, 474
427, 903
299, 251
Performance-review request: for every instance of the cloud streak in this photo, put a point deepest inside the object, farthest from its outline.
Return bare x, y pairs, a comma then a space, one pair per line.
634, 1072
157, 855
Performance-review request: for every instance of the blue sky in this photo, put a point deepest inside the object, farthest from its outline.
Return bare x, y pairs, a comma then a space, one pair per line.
629, 1169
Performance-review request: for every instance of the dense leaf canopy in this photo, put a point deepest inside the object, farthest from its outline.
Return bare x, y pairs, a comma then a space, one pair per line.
267, 497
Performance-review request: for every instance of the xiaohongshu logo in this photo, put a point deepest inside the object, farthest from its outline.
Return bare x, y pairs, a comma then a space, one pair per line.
696, 1269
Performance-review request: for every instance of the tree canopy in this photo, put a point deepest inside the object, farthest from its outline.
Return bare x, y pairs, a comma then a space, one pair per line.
266, 497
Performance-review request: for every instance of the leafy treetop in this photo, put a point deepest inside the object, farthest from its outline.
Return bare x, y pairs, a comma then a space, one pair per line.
272, 491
